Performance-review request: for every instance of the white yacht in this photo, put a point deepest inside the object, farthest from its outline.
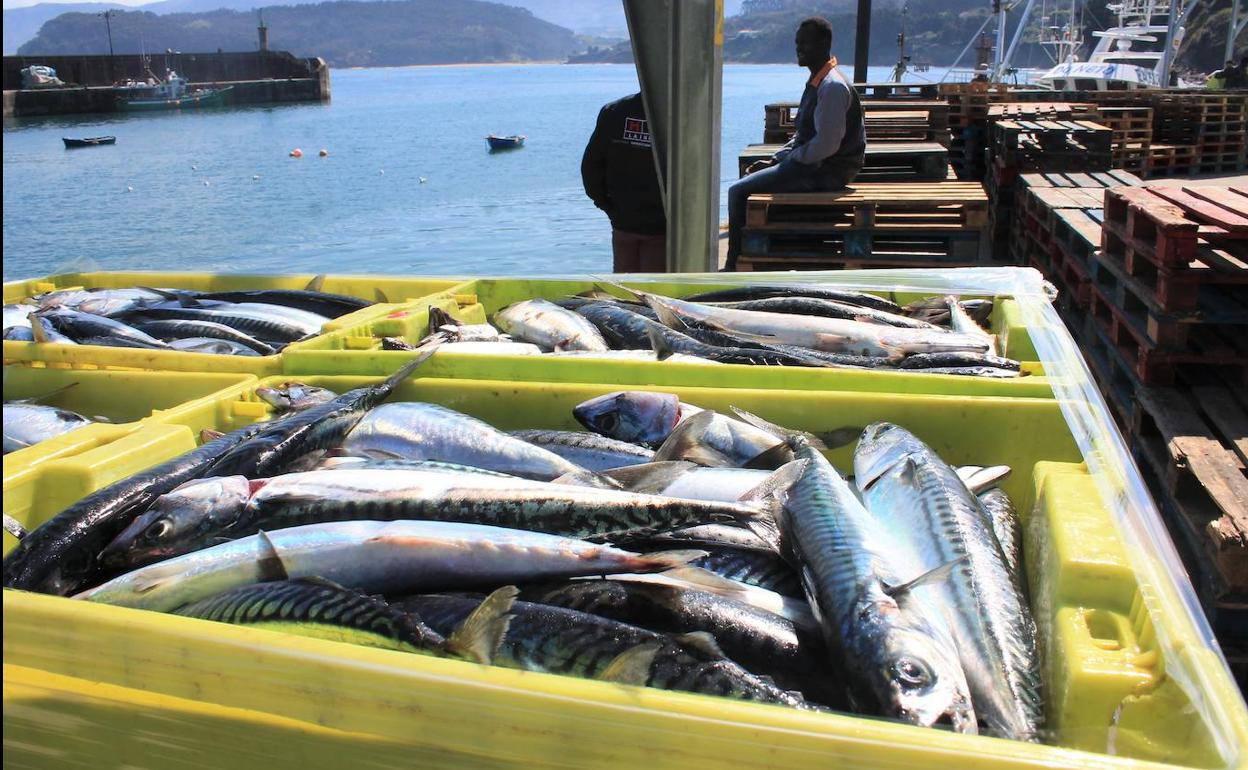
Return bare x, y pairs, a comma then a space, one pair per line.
1127, 56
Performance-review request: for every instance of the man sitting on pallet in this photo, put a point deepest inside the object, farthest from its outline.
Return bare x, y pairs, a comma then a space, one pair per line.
828, 145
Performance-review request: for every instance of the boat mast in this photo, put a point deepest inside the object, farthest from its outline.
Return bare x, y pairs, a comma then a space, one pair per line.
1018, 35
900, 69
998, 69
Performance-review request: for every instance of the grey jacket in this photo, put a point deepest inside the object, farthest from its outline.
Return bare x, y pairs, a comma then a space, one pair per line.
830, 136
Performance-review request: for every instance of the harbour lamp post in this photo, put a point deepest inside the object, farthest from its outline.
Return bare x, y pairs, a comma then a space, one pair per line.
108, 15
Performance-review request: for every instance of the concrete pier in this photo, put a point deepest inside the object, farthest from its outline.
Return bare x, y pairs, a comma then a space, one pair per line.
259, 77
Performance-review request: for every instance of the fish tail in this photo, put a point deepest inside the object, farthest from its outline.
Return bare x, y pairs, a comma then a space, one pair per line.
37, 331
661, 347
479, 636
393, 381
633, 665
661, 561
316, 284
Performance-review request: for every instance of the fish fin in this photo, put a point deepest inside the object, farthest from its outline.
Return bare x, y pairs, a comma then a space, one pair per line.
777, 483
707, 580
37, 332
587, 478
481, 633
42, 396
316, 284
166, 293
683, 443
666, 561
270, 563
770, 459
650, 478
768, 530
208, 434
639, 296
398, 377
102, 419
981, 480
439, 318
840, 437
791, 438
667, 317
633, 665
185, 299
380, 296
14, 527
899, 592
661, 347
702, 641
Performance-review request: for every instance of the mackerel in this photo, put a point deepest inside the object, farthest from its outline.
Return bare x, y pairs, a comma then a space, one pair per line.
827, 309
61, 555
587, 450
764, 291
1009, 532
637, 416
27, 424
91, 329
937, 523
416, 430
210, 346
282, 442
549, 326
563, 641
394, 557
174, 329
762, 642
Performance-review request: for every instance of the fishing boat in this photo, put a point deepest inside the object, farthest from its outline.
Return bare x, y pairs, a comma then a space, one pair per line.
1131, 54
90, 141
505, 142
172, 93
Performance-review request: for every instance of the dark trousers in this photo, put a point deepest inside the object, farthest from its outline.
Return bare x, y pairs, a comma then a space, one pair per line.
637, 253
784, 177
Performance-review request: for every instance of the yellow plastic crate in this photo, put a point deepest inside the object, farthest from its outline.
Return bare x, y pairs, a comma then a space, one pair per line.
357, 349
1130, 678
399, 292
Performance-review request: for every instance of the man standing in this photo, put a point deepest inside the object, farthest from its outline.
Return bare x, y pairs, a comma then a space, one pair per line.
619, 175
829, 143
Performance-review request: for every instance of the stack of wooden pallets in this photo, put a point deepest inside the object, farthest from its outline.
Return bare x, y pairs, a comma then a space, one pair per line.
1198, 133
1038, 145
919, 224
968, 116
1132, 135
1160, 310
886, 121
884, 162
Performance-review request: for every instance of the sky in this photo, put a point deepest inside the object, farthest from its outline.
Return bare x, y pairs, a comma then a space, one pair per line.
9, 4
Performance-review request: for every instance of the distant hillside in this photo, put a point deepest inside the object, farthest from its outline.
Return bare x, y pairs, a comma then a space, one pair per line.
21, 24
344, 33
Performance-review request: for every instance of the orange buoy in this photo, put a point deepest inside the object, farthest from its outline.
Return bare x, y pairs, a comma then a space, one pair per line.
323, 152
296, 153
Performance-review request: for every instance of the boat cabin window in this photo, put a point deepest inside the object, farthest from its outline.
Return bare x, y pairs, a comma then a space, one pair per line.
1059, 84
1116, 85
1086, 84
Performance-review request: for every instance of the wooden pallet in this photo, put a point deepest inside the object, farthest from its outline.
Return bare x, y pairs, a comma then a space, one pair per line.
1209, 347
901, 120
1195, 438
1052, 145
889, 162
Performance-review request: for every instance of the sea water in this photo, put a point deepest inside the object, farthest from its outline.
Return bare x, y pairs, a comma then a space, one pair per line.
408, 185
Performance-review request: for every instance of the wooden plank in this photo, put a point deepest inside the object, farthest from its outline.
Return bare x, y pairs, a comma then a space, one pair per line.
1222, 196
1226, 415
1164, 214
1202, 209
1190, 445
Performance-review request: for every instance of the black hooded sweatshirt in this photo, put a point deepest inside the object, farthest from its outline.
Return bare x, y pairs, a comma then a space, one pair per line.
618, 169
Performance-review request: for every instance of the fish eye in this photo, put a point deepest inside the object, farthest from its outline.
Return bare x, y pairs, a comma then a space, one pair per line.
609, 421
912, 673
157, 530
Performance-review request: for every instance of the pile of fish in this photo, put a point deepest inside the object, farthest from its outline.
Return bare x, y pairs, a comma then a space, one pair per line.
27, 422
239, 323
800, 325
669, 546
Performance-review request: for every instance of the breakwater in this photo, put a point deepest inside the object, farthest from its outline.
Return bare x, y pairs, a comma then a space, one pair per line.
257, 77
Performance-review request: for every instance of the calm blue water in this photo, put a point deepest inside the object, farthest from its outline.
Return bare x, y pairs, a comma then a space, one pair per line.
216, 190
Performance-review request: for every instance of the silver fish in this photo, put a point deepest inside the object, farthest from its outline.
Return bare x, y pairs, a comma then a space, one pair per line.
415, 430
18, 314
549, 326
830, 334
588, 450
964, 324
1009, 532
392, 557
709, 438
27, 424
294, 396
936, 522
212, 346
495, 348
901, 657
636, 416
